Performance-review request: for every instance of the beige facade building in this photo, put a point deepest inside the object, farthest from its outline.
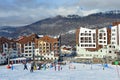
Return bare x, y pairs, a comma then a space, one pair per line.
48, 48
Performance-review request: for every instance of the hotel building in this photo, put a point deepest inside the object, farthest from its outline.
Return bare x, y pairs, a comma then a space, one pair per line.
47, 48
98, 43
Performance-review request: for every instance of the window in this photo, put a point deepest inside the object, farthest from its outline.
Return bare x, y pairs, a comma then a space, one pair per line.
82, 45
113, 38
40, 51
89, 38
25, 44
113, 42
109, 46
86, 45
100, 34
81, 41
104, 38
40, 44
29, 54
94, 41
40, 47
90, 45
43, 47
110, 51
82, 34
5, 44
26, 51
26, 48
47, 50
26, 54
81, 38
43, 51
87, 54
113, 46
104, 34
89, 34
113, 30
90, 41
102, 31
109, 56
48, 58
86, 41
44, 44
29, 43
113, 34
86, 38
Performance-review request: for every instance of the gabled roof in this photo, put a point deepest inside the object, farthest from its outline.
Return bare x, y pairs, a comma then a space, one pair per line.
115, 23
5, 40
25, 39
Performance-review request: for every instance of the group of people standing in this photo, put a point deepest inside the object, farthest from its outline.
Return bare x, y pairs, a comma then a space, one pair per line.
26, 68
58, 67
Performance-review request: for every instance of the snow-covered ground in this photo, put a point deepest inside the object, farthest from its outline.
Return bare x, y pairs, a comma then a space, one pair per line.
81, 72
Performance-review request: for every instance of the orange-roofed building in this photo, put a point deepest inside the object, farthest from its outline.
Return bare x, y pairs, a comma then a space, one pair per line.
47, 47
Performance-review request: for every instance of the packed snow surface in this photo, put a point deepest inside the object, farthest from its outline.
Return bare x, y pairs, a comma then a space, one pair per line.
72, 71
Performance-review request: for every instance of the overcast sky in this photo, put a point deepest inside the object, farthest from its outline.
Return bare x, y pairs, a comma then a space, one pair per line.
22, 12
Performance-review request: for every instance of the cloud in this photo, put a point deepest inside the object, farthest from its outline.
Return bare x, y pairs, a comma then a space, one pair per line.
22, 12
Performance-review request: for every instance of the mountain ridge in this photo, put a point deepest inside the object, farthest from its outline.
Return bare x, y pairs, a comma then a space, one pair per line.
61, 24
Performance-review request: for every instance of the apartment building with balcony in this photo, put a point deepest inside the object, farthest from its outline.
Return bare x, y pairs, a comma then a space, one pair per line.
98, 43
115, 35
7, 49
43, 47
47, 48
26, 46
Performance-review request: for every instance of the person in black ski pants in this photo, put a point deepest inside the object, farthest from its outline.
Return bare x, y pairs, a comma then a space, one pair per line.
25, 66
32, 67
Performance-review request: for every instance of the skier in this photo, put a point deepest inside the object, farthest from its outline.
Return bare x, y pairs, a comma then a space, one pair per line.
32, 67
58, 67
39, 66
44, 66
25, 66
61, 68
55, 67
12, 66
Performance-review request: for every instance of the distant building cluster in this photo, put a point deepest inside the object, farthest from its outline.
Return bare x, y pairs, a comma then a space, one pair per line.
102, 43
98, 43
41, 47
